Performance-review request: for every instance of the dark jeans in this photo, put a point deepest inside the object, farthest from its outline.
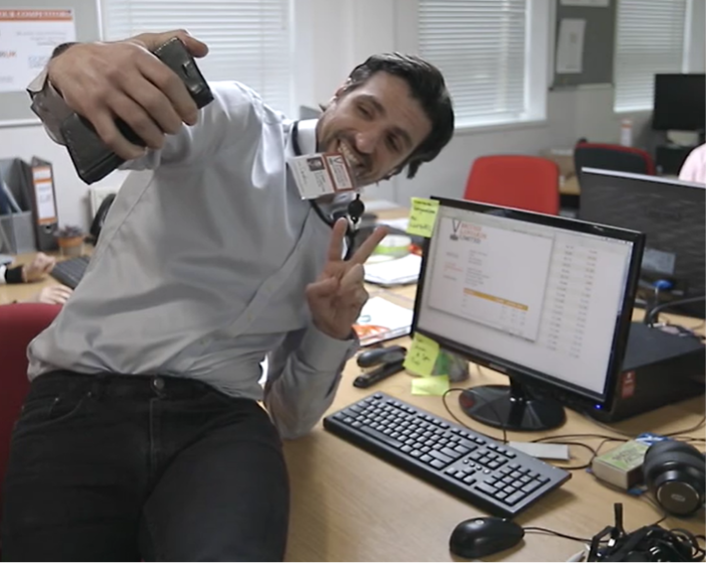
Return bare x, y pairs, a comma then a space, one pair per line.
123, 468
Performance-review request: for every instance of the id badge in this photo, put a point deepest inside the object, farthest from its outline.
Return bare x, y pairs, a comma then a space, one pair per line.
320, 174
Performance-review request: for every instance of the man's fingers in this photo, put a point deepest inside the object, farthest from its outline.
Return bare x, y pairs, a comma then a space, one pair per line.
367, 248
321, 289
60, 294
153, 40
336, 241
352, 278
154, 101
194, 46
49, 263
107, 130
138, 119
167, 81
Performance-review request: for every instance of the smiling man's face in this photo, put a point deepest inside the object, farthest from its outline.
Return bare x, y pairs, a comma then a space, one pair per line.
376, 126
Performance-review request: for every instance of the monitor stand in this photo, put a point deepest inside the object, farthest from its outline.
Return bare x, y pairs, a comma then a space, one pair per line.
511, 407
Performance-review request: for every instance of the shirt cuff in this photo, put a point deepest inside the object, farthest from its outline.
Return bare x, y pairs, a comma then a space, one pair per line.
14, 275
325, 353
3, 270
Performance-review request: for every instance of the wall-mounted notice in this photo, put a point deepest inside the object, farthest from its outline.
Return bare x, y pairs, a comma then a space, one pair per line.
27, 39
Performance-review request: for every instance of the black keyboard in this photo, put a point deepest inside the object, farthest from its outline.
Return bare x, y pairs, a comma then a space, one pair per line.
71, 271
498, 479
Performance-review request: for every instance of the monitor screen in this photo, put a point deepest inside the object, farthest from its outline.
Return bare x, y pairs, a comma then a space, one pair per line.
672, 215
538, 297
679, 102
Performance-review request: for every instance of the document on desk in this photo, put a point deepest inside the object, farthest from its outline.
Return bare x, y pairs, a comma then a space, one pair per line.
405, 270
381, 319
397, 223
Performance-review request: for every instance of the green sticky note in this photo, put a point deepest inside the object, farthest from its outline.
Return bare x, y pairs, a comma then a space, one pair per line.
430, 386
421, 356
422, 218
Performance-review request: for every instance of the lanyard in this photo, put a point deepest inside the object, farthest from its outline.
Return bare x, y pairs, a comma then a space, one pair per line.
355, 209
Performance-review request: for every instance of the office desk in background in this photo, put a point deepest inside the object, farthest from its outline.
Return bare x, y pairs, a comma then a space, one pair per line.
347, 505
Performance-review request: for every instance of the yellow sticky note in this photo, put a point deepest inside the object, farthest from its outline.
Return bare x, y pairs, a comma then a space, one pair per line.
430, 386
422, 355
422, 218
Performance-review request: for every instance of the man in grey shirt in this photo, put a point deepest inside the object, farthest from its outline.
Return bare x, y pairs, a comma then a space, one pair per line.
142, 436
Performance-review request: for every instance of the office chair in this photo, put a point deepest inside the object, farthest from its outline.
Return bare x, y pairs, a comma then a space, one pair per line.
613, 158
518, 181
19, 324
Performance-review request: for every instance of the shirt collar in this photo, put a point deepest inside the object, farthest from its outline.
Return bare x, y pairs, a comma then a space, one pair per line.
307, 136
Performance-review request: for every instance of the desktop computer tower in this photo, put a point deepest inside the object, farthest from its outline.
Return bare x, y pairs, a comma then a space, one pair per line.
659, 368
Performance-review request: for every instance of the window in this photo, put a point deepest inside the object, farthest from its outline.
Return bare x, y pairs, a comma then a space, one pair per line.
650, 40
483, 49
249, 40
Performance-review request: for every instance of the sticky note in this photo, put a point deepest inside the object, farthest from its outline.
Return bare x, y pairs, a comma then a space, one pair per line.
422, 355
422, 218
430, 386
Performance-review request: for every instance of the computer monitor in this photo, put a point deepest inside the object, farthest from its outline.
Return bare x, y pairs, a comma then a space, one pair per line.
679, 102
672, 215
543, 299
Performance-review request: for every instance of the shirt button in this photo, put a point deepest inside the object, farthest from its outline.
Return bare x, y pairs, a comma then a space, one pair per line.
158, 384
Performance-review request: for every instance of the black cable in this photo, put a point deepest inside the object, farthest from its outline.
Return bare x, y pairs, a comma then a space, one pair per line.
646, 497
651, 314
698, 426
540, 530
444, 399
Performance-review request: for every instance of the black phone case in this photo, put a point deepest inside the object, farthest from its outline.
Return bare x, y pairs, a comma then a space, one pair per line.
92, 159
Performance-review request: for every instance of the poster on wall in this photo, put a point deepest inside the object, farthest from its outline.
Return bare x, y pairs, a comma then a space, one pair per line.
27, 39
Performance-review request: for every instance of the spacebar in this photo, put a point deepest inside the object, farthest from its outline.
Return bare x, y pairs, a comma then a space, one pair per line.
379, 436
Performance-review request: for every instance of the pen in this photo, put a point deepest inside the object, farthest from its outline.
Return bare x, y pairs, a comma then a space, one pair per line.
372, 377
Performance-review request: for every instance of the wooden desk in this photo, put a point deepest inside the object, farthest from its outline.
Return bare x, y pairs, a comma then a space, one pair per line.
347, 505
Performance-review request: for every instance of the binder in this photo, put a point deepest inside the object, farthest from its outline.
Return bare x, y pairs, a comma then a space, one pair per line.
44, 204
16, 227
29, 187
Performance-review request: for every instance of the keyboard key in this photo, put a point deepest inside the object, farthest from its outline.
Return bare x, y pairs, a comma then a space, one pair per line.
532, 486
514, 498
437, 464
425, 458
441, 456
450, 453
416, 453
461, 450
486, 488
469, 479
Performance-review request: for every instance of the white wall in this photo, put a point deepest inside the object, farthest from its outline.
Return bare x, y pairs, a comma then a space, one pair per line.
333, 36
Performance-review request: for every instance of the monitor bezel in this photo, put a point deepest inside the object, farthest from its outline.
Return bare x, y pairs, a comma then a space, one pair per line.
657, 124
535, 379
668, 188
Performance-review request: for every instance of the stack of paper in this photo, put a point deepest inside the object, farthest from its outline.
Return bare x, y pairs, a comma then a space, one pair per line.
398, 224
381, 319
405, 270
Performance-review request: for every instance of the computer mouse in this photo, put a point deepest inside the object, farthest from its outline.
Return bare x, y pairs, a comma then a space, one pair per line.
480, 537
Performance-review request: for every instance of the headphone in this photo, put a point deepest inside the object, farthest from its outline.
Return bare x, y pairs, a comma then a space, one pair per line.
354, 213
675, 473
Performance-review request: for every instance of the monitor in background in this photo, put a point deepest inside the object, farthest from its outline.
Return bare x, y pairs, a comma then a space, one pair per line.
672, 215
679, 102
543, 299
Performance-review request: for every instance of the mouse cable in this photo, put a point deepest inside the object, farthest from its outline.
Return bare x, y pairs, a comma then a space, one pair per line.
546, 531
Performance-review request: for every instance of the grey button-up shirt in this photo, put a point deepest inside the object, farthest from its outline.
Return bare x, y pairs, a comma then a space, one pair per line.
201, 270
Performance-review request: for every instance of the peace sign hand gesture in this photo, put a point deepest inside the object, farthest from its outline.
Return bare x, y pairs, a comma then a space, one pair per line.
338, 295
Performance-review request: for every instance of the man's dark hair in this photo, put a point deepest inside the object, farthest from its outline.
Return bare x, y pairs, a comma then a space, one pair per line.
428, 87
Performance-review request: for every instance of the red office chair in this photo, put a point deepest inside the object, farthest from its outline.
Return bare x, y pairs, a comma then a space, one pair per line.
19, 324
613, 158
516, 181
